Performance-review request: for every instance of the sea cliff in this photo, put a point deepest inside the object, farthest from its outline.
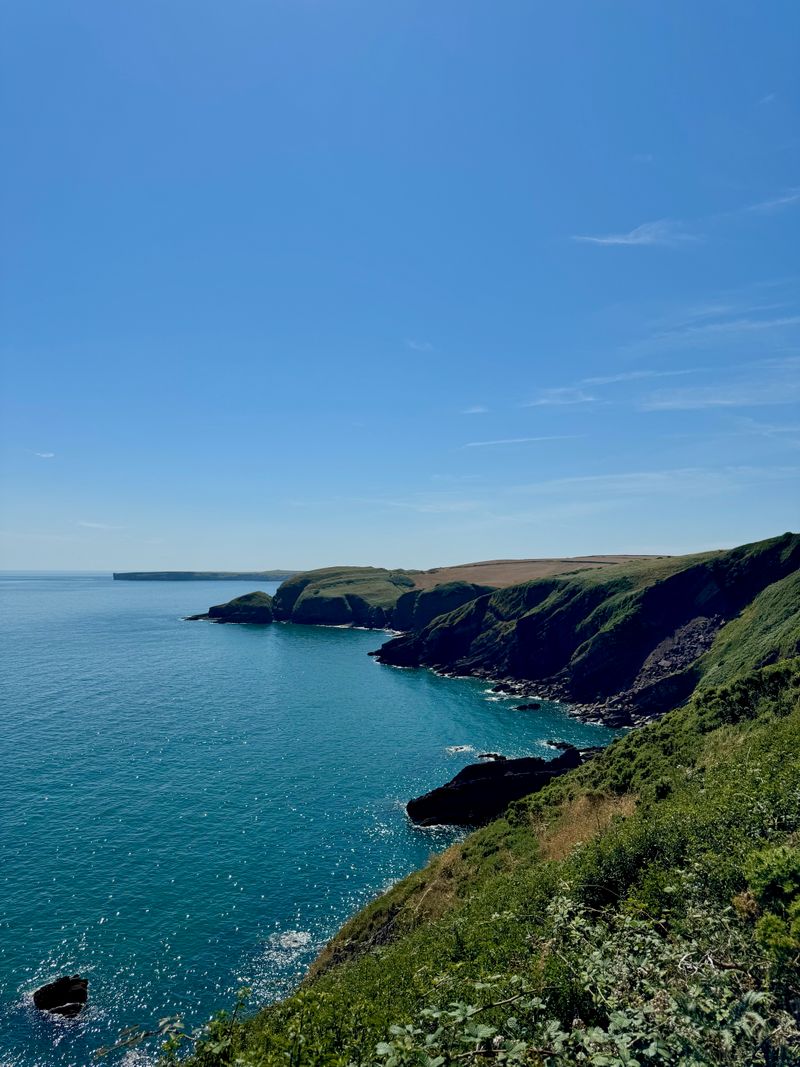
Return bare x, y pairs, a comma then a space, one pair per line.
623, 646
642, 907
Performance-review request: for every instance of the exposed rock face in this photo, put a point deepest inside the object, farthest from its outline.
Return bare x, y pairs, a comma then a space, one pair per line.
349, 596
250, 608
419, 607
483, 790
66, 996
621, 646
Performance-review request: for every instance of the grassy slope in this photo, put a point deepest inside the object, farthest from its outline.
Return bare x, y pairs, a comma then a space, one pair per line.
613, 884
364, 595
593, 631
368, 595
766, 631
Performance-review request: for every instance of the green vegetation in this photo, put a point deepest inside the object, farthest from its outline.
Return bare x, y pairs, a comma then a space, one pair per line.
356, 596
644, 909
768, 630
252, 607
637, 633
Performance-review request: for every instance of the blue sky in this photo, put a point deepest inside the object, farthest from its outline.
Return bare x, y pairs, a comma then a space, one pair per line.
299, 283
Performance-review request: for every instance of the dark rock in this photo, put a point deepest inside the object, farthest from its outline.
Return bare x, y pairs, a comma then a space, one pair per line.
533, 706
491, 755
66, 996
589, 753
254, 608
419, 607
484, 790
565, 746
622, 647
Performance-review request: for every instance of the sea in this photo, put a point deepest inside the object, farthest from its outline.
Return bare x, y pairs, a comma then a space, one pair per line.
189, 808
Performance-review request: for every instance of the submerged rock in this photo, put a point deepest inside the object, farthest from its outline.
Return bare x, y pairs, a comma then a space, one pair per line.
532, 706
483, 790
66, 996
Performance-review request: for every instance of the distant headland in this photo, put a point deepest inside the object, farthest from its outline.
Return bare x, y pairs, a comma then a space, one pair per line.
203, 576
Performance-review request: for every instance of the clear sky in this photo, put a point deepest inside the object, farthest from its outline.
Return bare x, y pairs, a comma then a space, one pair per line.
301, 282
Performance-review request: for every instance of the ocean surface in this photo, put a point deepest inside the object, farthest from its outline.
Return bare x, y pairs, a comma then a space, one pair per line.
186, 808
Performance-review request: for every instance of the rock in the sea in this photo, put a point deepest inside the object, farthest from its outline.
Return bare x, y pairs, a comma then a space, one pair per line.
66, 996
483, 790
533, 706
491, 755
250, 608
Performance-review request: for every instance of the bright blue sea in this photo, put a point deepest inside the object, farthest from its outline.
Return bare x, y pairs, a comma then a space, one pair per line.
186, 808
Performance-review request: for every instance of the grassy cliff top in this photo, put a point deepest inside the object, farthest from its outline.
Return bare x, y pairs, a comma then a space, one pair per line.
643, 909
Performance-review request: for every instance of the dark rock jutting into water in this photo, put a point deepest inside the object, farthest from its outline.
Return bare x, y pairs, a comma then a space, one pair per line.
482, 791
66, 996
250, 608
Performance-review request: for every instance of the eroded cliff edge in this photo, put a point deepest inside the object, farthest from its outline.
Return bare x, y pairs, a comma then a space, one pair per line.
627, 645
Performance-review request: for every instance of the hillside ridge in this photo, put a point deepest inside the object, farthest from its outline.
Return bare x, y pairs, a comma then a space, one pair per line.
621, 646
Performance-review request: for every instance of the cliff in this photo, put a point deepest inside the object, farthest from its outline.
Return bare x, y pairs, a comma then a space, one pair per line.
250, 608
629, 644
642, 908
342, 596
357, 596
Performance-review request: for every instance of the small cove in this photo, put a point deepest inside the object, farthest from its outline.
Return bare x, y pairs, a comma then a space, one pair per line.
188, 807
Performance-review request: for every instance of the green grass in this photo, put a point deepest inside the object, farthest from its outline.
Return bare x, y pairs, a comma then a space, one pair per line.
628, 880
767, 630
593, 631
644, 909
365, 595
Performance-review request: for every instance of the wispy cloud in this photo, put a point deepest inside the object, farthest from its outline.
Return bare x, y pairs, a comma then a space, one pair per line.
419, 346
521, 440
98, 526
680, 480
477, 409
671, 233
768, 98
45, 455
638, 375
699, 333
662, 232
786, 434
740, 394
561, 397
786, 199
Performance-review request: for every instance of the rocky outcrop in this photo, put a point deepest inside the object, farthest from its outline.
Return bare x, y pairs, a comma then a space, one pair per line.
369, 597
622, 646
66, 996
482, 791
419, 607
254, 608
342, 596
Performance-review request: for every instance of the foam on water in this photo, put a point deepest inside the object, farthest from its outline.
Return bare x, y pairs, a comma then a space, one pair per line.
188, 808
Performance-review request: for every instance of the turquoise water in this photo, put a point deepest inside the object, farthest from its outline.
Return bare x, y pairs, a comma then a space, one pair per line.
186, 808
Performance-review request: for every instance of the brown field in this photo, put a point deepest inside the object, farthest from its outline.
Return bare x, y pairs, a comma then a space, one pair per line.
502, 572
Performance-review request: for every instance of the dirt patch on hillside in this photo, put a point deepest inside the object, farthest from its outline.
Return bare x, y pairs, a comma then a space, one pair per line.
581, 820
503, 572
